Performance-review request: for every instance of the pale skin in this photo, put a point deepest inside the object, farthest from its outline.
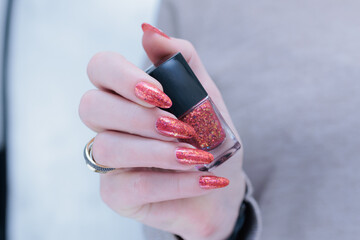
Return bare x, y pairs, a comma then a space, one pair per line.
150, 185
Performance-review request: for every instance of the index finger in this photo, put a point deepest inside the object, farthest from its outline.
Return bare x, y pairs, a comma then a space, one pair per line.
111, 71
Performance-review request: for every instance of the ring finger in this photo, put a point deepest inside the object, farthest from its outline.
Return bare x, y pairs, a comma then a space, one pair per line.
120, 150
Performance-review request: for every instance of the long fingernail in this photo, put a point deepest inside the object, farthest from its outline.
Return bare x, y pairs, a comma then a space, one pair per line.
147, 27
153, 95
211, 182
172, 127
192, 156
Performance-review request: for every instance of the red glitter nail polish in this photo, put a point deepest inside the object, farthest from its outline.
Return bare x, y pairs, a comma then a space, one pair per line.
190, 156
212, 182
151, 94
147, 27
172, 127
192, 105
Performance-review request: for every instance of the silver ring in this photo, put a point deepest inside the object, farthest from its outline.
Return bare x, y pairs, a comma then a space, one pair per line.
91, 163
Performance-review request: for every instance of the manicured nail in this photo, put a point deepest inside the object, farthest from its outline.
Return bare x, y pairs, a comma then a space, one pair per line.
153, 95
172, 127
147, 27
190, 156
211, 182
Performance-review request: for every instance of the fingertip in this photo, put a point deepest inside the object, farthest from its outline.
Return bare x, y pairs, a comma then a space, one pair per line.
146, 27
152, 95
172, 127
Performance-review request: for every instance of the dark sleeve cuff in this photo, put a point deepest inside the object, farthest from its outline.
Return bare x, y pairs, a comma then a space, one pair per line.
248, 226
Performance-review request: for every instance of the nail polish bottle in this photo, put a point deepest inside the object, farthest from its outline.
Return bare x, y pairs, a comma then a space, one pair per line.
192, 105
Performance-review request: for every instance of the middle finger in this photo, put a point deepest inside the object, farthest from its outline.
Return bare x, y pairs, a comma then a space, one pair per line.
102, 111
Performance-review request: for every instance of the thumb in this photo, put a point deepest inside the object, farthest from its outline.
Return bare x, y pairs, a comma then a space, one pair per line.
159, 46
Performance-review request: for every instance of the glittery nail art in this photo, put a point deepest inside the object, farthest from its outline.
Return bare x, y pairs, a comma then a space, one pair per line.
211, 182
190, 156
172, 127
147, 27
209, 132
153, 95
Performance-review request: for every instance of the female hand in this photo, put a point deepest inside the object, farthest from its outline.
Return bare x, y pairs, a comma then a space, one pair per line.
152, 183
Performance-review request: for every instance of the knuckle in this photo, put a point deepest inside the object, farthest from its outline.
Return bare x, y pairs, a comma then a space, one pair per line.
100, 148
189, 45
86, 103
122, 203
210, 225
106, 193
141, 186
115, 194
101, 59
206, 226
205, 221
207, 230
216, 94
189, 51
97, 59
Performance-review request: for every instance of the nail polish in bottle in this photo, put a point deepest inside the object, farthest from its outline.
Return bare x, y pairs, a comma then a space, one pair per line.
192, 105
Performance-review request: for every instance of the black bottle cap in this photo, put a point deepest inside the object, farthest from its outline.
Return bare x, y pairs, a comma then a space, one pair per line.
179, 83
